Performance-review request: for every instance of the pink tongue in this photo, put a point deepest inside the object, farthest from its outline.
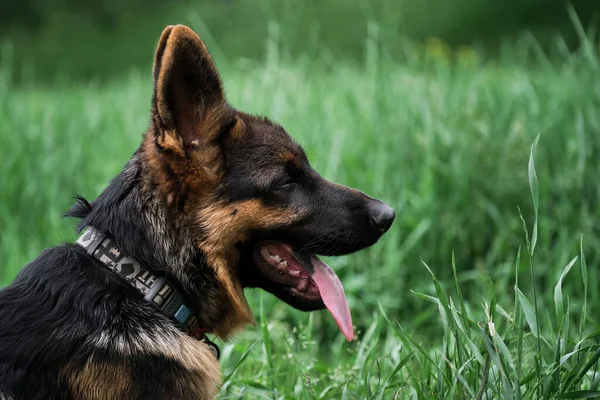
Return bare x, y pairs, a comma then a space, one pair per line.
332, 293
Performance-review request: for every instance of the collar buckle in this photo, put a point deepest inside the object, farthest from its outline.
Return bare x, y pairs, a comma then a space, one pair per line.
212, 346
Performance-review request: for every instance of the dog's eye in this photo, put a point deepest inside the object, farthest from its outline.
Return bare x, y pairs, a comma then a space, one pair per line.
289, 179
285, 182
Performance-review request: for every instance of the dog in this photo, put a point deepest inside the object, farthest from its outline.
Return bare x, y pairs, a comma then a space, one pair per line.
212, 202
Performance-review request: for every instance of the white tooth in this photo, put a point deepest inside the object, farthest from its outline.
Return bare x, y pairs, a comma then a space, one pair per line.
265, 253
276, 258
295, 272
302, 285
283, 264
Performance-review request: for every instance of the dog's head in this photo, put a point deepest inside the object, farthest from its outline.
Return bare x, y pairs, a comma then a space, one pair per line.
256, 209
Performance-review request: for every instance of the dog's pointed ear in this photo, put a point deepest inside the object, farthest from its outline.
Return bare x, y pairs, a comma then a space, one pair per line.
188, 104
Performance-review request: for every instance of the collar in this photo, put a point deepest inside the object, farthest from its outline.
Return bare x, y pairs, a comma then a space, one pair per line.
156, 289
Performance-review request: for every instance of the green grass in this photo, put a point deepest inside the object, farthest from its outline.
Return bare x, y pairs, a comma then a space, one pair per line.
463, 298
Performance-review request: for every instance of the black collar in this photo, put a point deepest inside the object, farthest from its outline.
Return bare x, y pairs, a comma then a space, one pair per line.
156, 289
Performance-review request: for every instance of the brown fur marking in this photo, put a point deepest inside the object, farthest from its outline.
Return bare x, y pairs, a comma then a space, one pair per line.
99, 381
204, 373
112, 380
287, 156
238, 130
223, 229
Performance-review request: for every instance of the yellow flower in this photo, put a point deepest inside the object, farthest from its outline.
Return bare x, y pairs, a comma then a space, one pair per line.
437, 49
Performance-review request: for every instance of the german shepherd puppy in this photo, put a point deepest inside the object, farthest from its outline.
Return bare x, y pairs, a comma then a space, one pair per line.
212, 202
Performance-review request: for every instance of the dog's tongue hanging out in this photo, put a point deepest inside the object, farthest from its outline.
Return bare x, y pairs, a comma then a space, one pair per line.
332, 293
306, 275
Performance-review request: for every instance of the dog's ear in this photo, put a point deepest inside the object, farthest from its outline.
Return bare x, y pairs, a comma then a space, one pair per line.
188, 104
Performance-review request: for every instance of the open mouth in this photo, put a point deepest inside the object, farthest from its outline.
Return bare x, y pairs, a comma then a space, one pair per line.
307, 277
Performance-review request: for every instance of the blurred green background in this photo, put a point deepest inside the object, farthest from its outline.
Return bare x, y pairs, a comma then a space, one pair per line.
84, 39
429, 105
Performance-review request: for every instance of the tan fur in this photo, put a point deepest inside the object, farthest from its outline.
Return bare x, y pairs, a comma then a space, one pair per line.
224, 226
111, 380
170, 141
286, 156
238, 130
204, 372
99, 381
162, 43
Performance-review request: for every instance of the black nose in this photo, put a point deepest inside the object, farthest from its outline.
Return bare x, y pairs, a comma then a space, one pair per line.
382, 217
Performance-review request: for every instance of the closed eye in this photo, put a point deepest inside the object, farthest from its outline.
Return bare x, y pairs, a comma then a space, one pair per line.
289, 178
285, 181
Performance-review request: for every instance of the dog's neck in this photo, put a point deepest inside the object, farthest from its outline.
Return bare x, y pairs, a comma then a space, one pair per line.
130, 210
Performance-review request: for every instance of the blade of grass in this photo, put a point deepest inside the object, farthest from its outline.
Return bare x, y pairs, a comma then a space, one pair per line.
584, 278
461, 302
399, 366
240, 361
582, 394
518, 328
529, 312
267, 345
535, 194
558, 296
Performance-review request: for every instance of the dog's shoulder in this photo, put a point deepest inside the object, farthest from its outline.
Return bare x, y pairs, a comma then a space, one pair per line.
70, 329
